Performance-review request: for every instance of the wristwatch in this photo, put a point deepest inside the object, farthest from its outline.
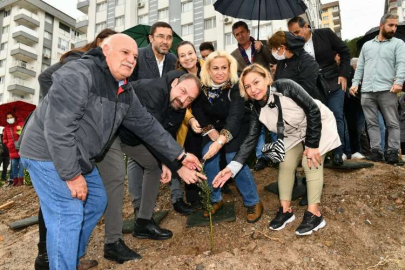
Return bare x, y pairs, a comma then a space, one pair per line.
221, 143
183, 157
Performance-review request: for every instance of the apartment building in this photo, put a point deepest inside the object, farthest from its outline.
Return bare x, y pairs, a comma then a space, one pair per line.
33, 36
195, 21
395, 7
331, 17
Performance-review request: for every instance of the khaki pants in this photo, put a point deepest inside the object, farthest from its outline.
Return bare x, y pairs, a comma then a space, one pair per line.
286, 176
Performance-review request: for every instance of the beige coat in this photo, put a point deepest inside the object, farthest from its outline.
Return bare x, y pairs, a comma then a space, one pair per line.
295, 123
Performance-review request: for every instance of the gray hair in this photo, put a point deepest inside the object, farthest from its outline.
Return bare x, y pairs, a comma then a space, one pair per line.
388, 16
353, 61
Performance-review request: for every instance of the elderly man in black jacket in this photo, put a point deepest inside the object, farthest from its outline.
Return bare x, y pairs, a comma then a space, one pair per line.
323, 44
166, 98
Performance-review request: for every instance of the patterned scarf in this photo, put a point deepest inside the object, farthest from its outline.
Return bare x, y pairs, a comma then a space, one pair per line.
243, 52
214, 92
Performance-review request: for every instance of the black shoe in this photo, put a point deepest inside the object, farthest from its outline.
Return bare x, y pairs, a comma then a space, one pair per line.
392, 157
151, 231
260, 164
376, 155
183, 208
310, 223
281, 219
42, 261
119, 252
337, 160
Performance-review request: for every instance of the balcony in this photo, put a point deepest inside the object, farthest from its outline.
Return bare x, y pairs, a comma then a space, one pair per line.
26, 18
22, 69
82, 23
336, 12
20, 87
80, 41
83, 6
25, 35
23, 52
336, 20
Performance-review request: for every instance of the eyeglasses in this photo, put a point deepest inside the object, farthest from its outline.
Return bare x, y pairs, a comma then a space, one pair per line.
162, 37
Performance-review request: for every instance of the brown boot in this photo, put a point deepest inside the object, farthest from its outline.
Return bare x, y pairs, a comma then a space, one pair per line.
215, 208
254, 212
87, 264
20, 181
15, 182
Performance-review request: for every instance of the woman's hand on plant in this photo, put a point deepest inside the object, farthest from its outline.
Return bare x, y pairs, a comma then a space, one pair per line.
214, 135
190, 176
166, 175
222, 177
195, 126
313, 157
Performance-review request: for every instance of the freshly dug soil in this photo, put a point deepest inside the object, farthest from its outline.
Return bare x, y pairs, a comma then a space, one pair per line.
364, 211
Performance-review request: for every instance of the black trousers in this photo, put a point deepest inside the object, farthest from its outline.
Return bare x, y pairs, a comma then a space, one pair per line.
5, 161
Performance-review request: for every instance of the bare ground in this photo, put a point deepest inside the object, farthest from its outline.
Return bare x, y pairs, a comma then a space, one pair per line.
364, 211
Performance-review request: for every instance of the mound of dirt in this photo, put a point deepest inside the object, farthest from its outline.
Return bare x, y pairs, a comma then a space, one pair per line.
364, 211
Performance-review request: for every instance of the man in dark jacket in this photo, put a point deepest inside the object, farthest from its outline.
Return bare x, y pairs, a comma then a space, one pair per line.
166, 99
89, 99
323, 44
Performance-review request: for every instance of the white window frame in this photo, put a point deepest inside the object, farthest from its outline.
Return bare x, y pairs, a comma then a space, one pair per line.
229, 39
6, 13
143, 19
3, 46
101, 6
210, 23
186, 6
119, 21
47, 35
100, 27
5, 29
163, 12
187, 29
48, 19
119, 2
208, 2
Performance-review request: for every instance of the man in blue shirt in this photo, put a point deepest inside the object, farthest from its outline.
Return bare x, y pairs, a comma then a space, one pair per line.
381, 68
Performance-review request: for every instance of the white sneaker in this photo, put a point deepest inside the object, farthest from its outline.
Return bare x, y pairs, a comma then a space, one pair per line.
344, 157
358, 155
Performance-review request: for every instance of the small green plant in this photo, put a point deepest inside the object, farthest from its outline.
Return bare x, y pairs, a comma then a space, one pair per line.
27, 178
205, 195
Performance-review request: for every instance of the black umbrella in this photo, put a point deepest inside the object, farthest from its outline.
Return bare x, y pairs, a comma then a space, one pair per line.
373, 32
260, 9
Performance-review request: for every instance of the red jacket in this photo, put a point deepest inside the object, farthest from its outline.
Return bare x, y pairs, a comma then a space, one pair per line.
8, 138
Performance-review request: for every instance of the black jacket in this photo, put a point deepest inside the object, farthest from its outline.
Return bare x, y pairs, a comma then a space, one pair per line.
45, 78
74, 123
326, 45
292, 90
301, 67
146, 66
154, 95
228, 111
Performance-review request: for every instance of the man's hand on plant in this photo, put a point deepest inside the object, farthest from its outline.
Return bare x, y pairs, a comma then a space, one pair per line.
190, 161
166, 175
190, 176
222, 177
78, 187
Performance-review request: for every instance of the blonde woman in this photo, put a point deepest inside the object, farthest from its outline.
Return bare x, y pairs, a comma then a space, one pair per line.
224, 120
309, 133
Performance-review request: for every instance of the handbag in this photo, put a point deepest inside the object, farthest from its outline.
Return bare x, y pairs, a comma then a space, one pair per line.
16, 143
275, 151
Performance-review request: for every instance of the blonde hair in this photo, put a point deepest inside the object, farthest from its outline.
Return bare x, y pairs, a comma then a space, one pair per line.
233, 68
252, 68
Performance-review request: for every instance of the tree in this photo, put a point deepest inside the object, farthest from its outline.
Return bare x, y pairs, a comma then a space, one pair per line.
352, 44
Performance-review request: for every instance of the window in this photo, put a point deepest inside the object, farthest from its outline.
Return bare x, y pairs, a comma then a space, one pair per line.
265, 31
143, 19
119, 21
6, 13
2, 79
3, 46
163, 13
214, 43
48, 18
208, 2
47, 52
187, 29
325, 18
2, 63
100, 26
326, 25
47, 35
210, 23
101, 6
119, 2
44, 66
229, 39
63, 44
336, 8
5, 30
186, 6
64, 27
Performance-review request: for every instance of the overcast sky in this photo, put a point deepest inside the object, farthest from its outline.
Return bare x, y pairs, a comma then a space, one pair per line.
358, 16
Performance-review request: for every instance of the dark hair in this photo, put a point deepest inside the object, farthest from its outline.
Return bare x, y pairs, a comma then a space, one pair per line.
159, 24
189, 76
184, 42
239, 24
207, 46
11, 114
301, 22
94, 44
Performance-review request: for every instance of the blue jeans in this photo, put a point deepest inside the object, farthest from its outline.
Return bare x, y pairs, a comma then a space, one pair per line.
347, 146
244, 179
335, 104
262, 141
17, 169
69, 221
382, 130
